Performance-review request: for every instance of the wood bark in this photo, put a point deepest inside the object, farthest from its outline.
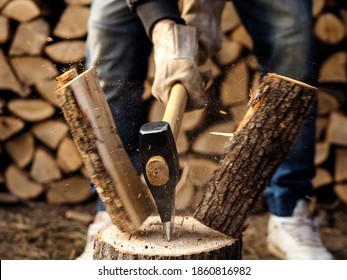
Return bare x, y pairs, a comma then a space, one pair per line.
93, 129
191, 241
262, 140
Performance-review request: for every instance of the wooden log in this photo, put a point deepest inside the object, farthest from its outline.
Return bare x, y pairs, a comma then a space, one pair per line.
340, 173
341, 191
30, 109
230, 18
72, 23
30, 38
21, 149
44, 168
9, 126
3, 3
46, 89
4, 29
50, 132
317, 8
236, 85
68, 157
191, 241
66, 52
88, 115
21, 10
329, 29
277, 111
327, 103
333, 69
241, 36
78, 2
322, 178
33, 69
322, 152
20, 185
229, 52
72, 190
336, 135
8, 79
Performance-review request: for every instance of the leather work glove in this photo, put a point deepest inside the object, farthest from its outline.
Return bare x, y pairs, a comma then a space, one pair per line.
175, 51
205, 15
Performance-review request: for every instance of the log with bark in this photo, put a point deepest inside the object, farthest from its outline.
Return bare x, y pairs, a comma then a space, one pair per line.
277, 111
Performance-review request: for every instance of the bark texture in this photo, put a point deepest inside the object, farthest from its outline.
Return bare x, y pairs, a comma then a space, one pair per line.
277, 111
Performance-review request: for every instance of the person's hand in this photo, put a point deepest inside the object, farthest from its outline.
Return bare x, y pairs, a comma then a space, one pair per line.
175, 51
205, 15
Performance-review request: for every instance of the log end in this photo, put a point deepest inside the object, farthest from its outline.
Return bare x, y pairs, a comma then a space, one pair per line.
190, 240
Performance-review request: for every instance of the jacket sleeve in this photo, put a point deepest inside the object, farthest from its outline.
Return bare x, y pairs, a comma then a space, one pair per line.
151, 11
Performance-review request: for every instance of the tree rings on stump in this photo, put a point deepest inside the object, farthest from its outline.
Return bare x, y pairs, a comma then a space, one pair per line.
191, 240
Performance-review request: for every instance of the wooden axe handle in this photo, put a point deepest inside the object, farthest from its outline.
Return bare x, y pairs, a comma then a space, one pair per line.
175, 108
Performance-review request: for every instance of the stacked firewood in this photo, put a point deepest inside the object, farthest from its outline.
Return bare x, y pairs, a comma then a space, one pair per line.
40, 40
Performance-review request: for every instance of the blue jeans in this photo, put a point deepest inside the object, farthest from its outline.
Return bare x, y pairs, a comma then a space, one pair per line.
281, 31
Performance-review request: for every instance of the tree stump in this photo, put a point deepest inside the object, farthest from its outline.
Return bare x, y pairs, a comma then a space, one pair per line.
191, 240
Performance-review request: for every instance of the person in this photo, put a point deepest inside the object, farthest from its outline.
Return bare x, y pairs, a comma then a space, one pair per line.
121, 35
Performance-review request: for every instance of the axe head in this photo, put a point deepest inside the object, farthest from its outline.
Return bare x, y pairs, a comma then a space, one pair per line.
159, 160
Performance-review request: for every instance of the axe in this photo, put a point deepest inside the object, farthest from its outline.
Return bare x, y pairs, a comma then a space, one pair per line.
159, 157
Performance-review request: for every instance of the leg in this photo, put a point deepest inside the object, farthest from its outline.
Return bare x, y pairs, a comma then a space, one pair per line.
283, 40
282, 35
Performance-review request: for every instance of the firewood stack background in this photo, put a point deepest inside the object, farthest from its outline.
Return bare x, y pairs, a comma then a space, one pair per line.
42, 39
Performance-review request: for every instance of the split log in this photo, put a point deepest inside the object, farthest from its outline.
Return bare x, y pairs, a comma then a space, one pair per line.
33, 69
262, 140
20, 185
44, 168
21, 10
329, 29
229, 52
30, 38
340, 174
341, 190
236, 85
322, 152
31, 110
322, 178
46, 89
50, 132
241, 36
73, 190
88, 115
8, 79
333, 69
21, 149
336, 135
230, 18
191, 240
68, 157
4, 29
9, 126
66, 52
72, 23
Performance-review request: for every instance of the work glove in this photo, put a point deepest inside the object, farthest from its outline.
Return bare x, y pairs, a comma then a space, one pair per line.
175, 51
205, 15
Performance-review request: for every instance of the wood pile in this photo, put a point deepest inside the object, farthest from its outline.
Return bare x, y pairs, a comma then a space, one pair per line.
40, 40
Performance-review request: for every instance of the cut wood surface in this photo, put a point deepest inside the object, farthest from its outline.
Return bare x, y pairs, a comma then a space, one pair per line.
46, 89
340, 174
44, 168
33, 69
8, 79
335, 133
191, 240
21, 149
329, 29
255, 151
72, 190
21, 10
30, 38
4, 29
334, 68
66, 52
68, 157
31, 110
94, 132
21, 185
50, 132
72, 23
9, 126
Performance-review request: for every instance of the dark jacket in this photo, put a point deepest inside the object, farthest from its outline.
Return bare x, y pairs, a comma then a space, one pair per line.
151, 11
